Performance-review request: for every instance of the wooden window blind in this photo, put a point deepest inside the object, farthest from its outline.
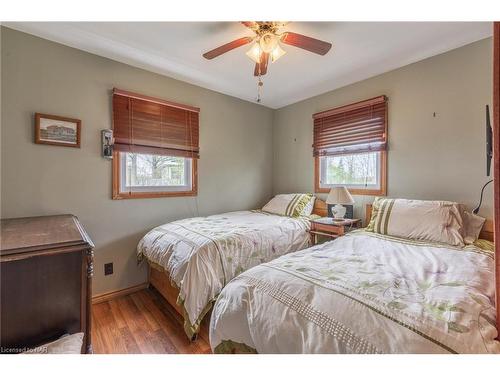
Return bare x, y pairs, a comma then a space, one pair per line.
358, 127
148, 125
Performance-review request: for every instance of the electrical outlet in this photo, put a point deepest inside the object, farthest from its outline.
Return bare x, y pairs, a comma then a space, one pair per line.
108, 269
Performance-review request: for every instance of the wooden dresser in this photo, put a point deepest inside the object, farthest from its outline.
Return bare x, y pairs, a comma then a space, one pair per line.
46, 281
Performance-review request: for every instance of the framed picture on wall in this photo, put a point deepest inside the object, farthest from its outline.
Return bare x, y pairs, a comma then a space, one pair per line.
57, 130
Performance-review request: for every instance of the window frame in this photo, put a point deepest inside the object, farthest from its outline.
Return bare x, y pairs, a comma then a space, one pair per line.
131, 194
381, 191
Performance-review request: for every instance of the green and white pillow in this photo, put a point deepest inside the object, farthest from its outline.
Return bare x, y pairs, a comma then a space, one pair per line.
435, 221
293, 205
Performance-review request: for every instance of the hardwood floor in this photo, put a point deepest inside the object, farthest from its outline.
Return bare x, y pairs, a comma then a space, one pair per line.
141, 322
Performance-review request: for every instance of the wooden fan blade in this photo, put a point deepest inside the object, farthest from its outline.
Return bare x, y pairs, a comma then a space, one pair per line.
264, 59
227, 47
307, 43
250, 24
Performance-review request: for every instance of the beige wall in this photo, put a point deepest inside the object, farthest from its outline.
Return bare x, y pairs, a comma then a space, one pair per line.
440, 157
41, 76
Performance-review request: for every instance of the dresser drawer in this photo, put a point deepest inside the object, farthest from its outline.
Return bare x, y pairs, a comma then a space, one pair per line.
332, 229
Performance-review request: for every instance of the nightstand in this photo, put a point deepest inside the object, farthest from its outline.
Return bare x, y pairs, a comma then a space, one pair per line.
327, 227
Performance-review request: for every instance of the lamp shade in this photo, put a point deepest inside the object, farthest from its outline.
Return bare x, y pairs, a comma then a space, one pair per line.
277, 53
254, 53
339, 195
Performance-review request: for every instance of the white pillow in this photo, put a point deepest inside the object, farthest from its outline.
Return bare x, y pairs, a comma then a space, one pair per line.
435, 221
293, 205
472, 226
67, 344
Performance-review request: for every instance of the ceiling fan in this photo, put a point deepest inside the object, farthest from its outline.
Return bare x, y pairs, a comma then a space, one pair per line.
266, 44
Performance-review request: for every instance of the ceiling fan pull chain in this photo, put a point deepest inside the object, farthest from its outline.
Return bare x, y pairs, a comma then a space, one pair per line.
259, 87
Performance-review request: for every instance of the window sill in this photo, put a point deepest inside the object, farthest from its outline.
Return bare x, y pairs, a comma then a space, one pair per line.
155, 194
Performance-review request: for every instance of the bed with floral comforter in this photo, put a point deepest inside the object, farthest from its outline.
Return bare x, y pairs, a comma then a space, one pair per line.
362, 293
202, 254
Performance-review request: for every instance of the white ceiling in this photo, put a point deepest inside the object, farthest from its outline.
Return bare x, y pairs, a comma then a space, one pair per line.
360, 50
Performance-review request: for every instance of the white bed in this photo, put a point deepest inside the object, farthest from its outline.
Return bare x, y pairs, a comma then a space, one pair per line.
362, 293
200, 255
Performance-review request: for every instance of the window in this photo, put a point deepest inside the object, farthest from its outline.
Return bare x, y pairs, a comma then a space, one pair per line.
156, 147
355, 171
350, 147
154, 173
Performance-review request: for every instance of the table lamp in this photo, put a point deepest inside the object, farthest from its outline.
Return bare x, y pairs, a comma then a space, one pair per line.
338, 196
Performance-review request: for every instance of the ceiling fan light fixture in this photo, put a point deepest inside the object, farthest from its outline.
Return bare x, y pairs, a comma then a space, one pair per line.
268, 42
254, 52
277, 52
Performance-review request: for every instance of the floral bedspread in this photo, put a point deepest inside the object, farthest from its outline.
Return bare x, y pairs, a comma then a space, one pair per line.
362, 293
203, 254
